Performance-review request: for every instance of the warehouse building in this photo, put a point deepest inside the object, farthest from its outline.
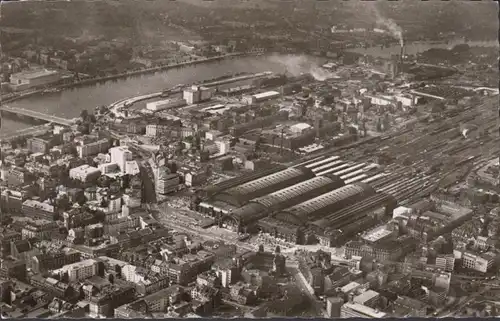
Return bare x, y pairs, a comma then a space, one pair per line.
263, 206
319, 207
257, 98
165, 104
240, 195
33, 78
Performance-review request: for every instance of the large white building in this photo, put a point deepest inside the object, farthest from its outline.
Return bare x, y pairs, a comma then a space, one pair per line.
94, 148
34, 78
80, 270
197, 94
166, 182
154, 130
114, 204
300, 128
120, 155
478, 262
442, 281
446, 262
356, 310
108, 168
224, 146
132, 168
85, 173
268, 95
165, 104
367, 298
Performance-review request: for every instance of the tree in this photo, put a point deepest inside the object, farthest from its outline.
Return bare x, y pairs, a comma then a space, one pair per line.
234, 141
261, 248
197, 141
73, 151
172, 166
258, 144
103, 181
62, 202
103, 109
92, 119
180, 147
125, 181
84, 115
52, 196
104, 203
379, 125
84, 128
81, 199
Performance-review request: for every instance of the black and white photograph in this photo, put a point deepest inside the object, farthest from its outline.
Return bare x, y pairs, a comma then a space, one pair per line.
249, 159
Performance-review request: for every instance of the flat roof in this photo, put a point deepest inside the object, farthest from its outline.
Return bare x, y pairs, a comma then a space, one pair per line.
266, 94
75, 265
162, 102
365, 310
30, 74
301, 126
366, 296
36, 204
85, 169
376, 234
349, 287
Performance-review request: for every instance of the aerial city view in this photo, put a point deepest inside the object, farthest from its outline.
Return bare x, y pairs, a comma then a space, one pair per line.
249, 158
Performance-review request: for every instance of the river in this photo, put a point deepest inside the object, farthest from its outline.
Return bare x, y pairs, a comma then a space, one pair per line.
69, 103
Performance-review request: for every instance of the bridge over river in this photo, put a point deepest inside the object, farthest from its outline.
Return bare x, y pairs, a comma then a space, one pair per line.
20, 112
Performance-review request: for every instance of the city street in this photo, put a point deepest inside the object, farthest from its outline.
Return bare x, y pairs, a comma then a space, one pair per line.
305, 288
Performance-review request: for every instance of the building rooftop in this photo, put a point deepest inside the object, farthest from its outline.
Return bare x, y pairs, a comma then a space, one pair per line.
32, 74
162, 102
36, 204
164, 293
266, 94
349, 287
366, 296
85, 169
300, 126
365, 310
376, 234
76, 265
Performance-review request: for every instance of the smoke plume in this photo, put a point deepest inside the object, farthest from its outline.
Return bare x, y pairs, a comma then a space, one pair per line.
299, 65
394, 29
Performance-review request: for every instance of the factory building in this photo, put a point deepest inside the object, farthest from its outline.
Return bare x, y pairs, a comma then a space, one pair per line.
165, 104
33, 78
281, 199
325, 204
240, 195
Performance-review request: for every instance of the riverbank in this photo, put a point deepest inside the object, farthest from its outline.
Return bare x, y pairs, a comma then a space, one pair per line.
96, 80
127, 102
